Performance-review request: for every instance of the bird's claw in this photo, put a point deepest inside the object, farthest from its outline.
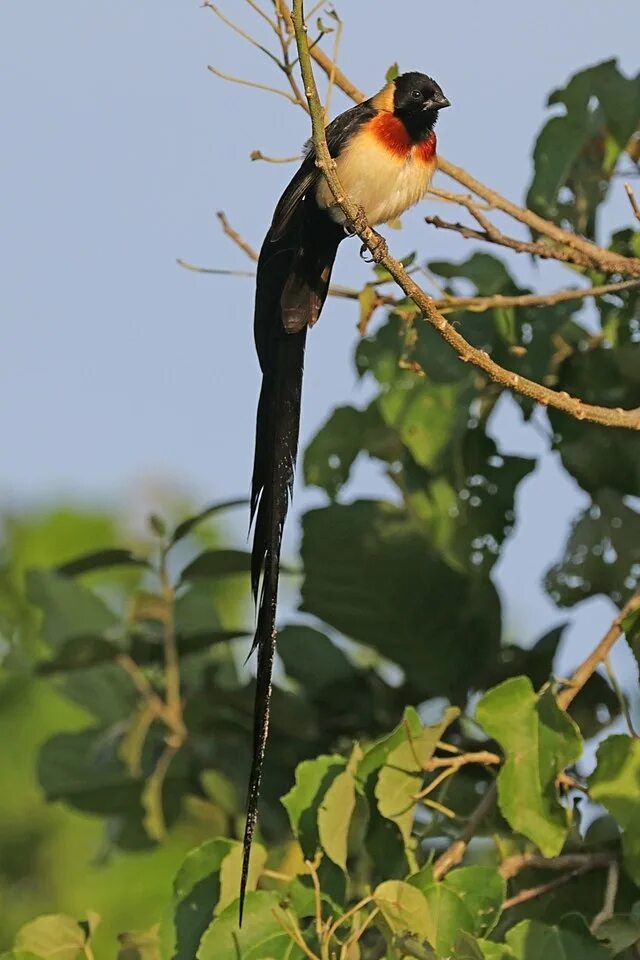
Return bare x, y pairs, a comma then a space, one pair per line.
358, 225
379, 252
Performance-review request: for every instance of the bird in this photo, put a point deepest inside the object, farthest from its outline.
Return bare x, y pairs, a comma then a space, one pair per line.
385, 154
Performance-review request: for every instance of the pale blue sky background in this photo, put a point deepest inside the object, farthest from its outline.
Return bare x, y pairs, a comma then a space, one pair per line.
117, 367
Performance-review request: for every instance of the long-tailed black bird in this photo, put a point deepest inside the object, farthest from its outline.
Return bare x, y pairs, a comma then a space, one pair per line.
385, 153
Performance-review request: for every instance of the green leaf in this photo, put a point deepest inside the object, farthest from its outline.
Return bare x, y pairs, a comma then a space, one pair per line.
470, 948
106, 692
217, 563
482, 890
621, 931
367, 302
207, 882
262, 935
336, 810
187, 526
52, 936
539, 741
312, 659
426, 417
348, 432
78, 653
578, 151
448, 916
302, 803
392, 72
614, 783
598, 457
100, 560
377, 755
533, 940
140, 944
602, 555
82, 769
400, 779
69, 609
403, 907
365, 561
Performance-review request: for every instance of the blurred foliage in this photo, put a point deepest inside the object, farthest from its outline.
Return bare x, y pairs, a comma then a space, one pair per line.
398, 702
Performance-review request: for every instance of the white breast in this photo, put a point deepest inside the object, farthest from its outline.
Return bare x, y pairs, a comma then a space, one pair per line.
379, 181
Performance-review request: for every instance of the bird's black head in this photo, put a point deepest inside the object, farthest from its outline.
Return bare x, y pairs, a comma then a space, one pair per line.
417, 100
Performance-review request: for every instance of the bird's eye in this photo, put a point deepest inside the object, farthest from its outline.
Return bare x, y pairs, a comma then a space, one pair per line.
416, 94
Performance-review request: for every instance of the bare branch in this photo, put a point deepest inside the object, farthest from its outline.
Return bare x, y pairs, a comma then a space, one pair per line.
228, 230
583, 250
259, 155
610, 893
632, 200
479, 304
242, 33
532, 892
454, 853
334, 62
512, 866
251, 83
536, 247
589, 666
218, 272
258, 9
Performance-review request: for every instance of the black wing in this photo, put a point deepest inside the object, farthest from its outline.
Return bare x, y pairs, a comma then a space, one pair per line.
339, 132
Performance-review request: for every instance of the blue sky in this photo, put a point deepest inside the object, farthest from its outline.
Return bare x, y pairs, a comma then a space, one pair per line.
119, 370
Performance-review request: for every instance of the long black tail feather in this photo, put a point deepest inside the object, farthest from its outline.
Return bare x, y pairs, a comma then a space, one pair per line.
292, 283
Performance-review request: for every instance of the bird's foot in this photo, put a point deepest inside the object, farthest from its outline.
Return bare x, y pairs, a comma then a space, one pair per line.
379, 252
358, 225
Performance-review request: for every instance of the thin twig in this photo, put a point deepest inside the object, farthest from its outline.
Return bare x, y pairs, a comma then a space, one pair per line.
259, 155
171, 661
142, 684
479, 304
334, 60
589, 666
358, 934
609, 902
454, 853
242, 33
259, 10
512, 866
317, 897
538, 248
532, 892
228, 231
629, 419
251, 83
217, 271
345, 916
632, 200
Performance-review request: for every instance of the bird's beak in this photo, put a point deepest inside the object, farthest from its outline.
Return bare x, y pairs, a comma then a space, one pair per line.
437, 102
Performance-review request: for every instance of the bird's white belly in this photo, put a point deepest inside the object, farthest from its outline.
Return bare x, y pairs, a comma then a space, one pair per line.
383, 184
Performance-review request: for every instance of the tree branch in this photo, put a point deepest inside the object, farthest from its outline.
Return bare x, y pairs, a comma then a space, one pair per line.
589, 666
228, 230
632, 200
630, 419
512, 866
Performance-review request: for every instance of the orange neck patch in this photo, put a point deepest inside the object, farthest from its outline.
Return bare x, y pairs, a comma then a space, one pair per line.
392, 134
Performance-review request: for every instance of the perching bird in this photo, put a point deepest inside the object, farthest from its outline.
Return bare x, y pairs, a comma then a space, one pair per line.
385, 153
